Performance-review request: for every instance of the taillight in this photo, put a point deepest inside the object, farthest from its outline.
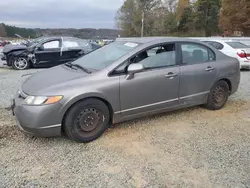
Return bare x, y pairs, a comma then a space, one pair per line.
242, 54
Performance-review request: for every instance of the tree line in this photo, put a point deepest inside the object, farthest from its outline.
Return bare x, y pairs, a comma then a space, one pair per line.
87, 33
10, 31
184, 17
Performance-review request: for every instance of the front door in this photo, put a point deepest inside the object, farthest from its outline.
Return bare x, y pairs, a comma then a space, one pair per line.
198, 73
156, 88
71, 50
50, 53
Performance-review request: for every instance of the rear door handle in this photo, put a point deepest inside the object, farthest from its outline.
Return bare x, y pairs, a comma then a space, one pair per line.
170, 75
209, 69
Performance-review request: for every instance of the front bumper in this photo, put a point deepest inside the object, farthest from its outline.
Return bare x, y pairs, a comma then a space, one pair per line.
3, 57
40, 121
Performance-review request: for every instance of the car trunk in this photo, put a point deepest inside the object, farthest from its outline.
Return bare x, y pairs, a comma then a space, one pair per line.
242, 50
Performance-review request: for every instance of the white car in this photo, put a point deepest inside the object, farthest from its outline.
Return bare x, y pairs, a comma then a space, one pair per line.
234, 49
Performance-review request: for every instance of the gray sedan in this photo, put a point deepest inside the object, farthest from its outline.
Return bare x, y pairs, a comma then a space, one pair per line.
127, 79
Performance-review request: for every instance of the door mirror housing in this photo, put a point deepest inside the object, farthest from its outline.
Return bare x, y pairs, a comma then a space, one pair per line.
134, 68
40, 48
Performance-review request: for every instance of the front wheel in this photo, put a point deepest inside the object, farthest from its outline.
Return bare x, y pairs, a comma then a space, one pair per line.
86, 120
20, 63
218, 96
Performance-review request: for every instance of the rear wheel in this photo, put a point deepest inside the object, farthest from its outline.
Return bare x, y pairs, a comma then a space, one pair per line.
20, 63
86, 120
218, 96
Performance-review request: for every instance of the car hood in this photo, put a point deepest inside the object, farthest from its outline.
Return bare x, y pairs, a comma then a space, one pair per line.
49, 78
9, 47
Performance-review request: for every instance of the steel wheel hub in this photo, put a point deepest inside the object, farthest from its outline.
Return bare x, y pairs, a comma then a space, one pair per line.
89, 119
218, 94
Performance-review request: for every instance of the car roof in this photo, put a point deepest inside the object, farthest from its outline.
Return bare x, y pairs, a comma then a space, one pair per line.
144, 40
222, 40
56, 37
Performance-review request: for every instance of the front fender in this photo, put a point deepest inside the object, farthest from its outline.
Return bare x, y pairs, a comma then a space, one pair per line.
18, 53
75, 99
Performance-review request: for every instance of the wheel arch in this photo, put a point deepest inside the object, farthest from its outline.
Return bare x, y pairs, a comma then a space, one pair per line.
229, 83
82, 98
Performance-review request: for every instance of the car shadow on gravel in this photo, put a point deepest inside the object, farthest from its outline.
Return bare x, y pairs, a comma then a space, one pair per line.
245, 70
232, 107
9, 131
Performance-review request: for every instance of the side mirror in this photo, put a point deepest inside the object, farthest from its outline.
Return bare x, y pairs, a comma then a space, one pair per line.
40, 48
134, 68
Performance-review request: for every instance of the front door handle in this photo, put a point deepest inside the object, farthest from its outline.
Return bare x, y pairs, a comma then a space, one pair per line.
209, 69
170, 75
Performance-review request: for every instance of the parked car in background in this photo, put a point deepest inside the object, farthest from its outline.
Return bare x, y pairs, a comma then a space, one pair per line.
244, 40
19, 46
3, 42
233, 49
93, 46
127, 79
47, 52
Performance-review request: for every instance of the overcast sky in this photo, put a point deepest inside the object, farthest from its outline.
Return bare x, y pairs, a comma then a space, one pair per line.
59, 13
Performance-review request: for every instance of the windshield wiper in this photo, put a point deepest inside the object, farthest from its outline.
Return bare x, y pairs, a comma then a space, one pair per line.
79, 67
82, 68
69, 65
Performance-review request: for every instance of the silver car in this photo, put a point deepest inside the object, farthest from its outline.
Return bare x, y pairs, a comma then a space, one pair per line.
127, 79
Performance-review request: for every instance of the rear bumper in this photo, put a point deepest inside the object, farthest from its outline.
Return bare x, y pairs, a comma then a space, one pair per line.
245, 64
32, 120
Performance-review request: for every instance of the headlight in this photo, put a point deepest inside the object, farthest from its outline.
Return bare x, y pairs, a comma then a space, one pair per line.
39, 100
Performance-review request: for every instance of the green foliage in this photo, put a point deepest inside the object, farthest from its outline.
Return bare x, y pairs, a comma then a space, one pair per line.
186, 22
12, 30
129, 17
207, 16
185, 19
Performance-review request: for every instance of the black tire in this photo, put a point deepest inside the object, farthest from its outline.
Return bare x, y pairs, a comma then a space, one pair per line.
86, 120
9, 61
218, 96
16, 66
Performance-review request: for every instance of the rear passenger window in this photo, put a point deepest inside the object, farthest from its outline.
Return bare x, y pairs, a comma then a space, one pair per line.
195, 53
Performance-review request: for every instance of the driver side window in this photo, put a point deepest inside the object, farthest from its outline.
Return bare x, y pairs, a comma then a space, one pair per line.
156, 57
51, 44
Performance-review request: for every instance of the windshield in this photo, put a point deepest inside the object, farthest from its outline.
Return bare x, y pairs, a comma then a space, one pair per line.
237, 45
105, 56
37, 41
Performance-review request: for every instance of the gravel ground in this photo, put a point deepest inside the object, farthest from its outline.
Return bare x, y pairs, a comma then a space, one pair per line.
187, 148
10, 81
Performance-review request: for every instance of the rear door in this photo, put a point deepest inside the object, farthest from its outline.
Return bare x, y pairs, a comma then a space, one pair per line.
198, 73
49, 54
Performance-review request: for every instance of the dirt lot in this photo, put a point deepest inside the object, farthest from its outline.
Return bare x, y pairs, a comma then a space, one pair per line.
187, 148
